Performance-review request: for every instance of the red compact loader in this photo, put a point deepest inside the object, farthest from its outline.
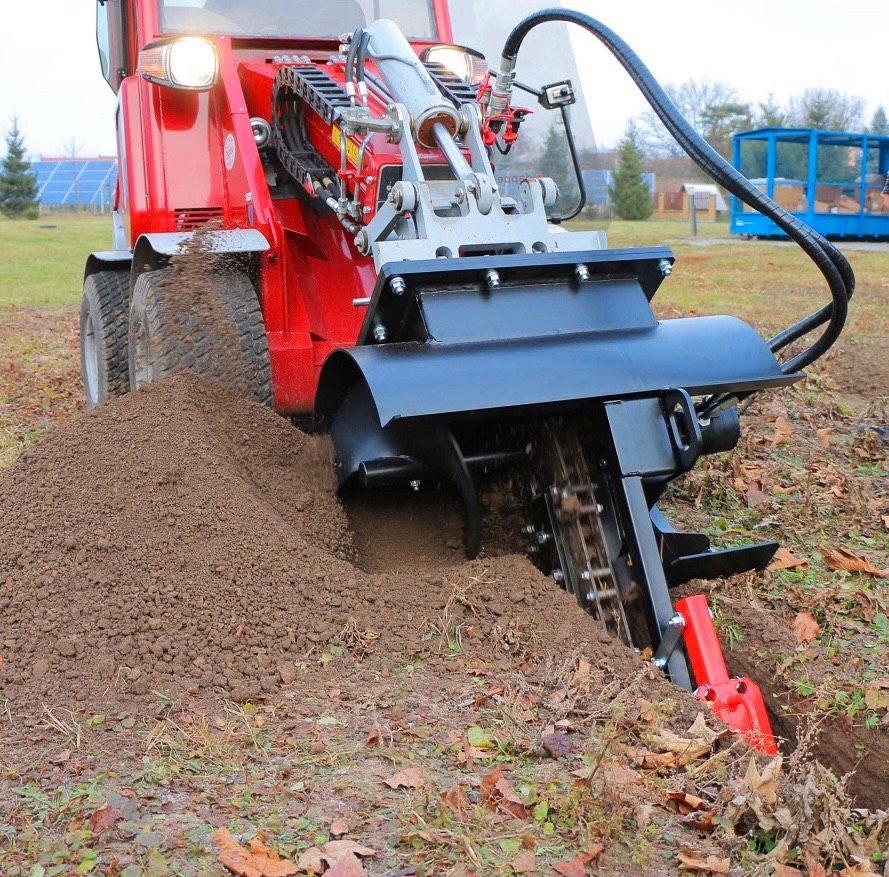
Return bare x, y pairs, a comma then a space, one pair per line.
328, 171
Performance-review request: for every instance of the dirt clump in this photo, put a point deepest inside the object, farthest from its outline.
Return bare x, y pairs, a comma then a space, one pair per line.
180, 539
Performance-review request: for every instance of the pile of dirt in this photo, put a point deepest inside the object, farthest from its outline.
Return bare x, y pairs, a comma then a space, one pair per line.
182, 539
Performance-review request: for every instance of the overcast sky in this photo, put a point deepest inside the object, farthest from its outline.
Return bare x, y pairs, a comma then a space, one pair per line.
49, 73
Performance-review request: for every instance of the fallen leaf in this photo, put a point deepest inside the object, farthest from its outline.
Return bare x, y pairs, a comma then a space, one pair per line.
693, 861
843, 559
347, 866
557, 744
525, 862
686, 803
813, 866
786, 871
258, 861
104, 819
755, 497
785, 560
455, 802
409, 778
338, 828
311, 860
885, 521
823, 436
783, 433
576, 867
61, 757
805, 628
334, 850
876, 695
764, 784
510, 801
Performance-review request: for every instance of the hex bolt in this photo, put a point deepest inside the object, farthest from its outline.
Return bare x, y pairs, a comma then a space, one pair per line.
528, 530
380, 334
666, 267
492, 278
585, 575
415, 485
558, 576
581, 274
543, 538
397, 285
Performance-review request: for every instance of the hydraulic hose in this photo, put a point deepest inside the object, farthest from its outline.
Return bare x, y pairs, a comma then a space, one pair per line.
829, 260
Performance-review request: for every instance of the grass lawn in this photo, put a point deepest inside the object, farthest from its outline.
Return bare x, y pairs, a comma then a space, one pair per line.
41, 263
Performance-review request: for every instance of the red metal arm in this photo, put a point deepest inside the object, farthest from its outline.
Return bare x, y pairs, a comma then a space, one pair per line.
737, 701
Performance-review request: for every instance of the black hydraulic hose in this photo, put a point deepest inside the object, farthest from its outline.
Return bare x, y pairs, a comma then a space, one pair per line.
361, 60
578, 172
353, 51
829, 260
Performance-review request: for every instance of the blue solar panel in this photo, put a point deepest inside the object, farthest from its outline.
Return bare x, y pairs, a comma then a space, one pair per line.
81, 182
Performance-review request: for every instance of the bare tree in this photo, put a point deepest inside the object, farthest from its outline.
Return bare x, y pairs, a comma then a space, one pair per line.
698, 100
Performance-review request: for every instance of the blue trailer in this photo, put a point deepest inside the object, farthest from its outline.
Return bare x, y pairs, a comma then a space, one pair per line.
833, 181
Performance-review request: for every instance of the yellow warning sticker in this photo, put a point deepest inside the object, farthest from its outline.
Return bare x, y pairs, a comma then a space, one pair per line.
351, 146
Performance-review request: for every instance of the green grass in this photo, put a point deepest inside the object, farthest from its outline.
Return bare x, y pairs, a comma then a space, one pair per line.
43, 267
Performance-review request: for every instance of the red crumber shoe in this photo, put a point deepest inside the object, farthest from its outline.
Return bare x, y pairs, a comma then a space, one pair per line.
738, 700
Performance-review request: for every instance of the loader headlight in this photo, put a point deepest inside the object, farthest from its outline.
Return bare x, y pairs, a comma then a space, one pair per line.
185, 62
468, 64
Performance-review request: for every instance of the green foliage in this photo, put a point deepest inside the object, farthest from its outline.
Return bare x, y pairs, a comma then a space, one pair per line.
555, 162
629, 192
18, 186
721, 120
879, 123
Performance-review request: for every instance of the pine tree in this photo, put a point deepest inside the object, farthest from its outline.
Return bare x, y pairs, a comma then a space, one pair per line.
879, 124
629, 192
18, 186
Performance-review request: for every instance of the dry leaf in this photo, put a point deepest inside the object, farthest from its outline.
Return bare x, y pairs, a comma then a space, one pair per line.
60, 757
576, 867
885, 521
876, 695
525, 862
783, 433
693, 861
510, 801
334, 850
755, 497
813, 866
824, 435
104, 819
785, 560
455, 802
347, 866
686, 803
805, 628
338, 828
258, 861
764, 784
786, 871
843, 559
409, 778
311, 860
557, 744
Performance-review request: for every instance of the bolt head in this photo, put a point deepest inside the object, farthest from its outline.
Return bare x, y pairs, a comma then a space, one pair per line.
492, 278
415, 485
582, 273
380, 334
666, 267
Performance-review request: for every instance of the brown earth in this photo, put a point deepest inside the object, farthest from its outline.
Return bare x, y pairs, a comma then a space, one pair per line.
180, 539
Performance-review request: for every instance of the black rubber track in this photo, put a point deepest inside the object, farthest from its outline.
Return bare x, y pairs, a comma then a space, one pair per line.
214, 330
106, 297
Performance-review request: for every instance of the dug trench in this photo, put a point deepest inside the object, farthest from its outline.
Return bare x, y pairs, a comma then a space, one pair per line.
183, 542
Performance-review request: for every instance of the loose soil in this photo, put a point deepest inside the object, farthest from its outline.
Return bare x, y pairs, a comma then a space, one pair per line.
181, 539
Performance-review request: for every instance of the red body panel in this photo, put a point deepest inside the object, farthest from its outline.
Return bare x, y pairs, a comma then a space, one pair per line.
190, 157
